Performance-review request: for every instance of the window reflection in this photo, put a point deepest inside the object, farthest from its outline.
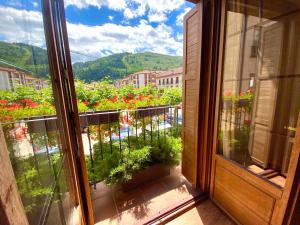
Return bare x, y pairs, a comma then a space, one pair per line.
261, 86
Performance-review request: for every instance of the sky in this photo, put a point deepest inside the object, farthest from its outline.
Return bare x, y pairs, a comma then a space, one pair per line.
98, 28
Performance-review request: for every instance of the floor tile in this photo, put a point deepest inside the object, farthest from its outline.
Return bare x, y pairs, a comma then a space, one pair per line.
104, 208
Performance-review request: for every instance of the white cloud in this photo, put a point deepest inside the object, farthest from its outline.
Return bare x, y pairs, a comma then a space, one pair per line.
157, 9
22, 26
112, 4
157, 17
35, 4
111, 38
27, 27
110, 18
179, 18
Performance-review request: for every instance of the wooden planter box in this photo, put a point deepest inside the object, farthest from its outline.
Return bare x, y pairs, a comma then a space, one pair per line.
151, 173
43, 124
152, 111
226, 104
243, 102
109, 116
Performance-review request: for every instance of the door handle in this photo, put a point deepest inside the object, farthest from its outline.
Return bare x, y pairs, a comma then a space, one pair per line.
290, 128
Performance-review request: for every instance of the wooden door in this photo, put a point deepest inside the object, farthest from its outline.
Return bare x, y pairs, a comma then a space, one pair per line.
191, 92
64, 93
256, 138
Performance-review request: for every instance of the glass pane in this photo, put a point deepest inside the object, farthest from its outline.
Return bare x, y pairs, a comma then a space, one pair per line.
261, 86
28, 113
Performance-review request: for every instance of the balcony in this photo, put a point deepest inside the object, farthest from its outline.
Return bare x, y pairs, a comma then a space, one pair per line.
132, 157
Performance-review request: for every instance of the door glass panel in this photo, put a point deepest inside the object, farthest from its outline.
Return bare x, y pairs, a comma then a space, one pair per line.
260, 86
28, 115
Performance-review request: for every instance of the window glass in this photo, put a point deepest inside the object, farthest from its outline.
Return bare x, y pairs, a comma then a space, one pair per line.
260, 86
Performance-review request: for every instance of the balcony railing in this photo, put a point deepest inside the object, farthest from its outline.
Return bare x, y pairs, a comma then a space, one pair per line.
35, 147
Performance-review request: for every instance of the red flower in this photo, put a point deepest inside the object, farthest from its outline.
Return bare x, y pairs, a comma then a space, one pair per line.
15, 106
247, 122
124, 100
114, 99
7, 118
228, 93
29, 103
86, 103
141, 97
130, 96
3, 102
242, 93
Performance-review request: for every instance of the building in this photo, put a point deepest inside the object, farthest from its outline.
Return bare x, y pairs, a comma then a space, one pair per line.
240, 131
170, 78
139, 79
160, 79
11, 78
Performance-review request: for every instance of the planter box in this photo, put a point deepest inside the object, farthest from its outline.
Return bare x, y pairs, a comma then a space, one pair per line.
226, 104
243, 102
42, 124
109, 116
152, 111
151, 173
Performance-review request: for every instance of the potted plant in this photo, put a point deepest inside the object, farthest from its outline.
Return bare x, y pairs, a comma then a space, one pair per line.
138, 164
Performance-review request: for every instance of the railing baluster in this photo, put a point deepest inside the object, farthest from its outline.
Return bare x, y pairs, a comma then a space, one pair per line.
151, 126
172, 120
100, 139
165, 122
91, 156
136, 126
34, 155
109, 127
144, 128
120, 145
177, 119
47, 152
127, 114
157, 125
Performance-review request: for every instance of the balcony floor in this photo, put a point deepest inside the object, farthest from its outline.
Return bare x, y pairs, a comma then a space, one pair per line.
203, 214
137, 206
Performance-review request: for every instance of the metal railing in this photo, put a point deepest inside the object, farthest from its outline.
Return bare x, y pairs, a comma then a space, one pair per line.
39, 135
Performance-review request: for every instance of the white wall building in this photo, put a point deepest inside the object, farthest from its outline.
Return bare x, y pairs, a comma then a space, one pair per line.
11, 78
170, 78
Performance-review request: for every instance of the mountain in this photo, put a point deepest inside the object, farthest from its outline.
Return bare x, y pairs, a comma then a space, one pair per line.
116, 66
119, 65
25, 56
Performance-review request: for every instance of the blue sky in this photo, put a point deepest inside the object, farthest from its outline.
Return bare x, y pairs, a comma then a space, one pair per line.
101, 27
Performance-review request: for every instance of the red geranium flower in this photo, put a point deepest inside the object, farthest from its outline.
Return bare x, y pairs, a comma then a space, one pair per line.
3, 102
228, 93
114, 99
141, 97
86, 103
130, 96
124, 100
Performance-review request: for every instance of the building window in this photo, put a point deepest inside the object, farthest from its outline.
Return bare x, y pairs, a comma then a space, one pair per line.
159, 82
172, 80
168, 81
163, 81
177, 80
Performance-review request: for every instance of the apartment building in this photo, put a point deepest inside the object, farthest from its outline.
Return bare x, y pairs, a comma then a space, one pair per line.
161, 79
11, 78
139, 79
170, 78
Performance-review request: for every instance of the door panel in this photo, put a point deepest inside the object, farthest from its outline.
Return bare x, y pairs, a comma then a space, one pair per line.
33, 116
191, 91
256, 155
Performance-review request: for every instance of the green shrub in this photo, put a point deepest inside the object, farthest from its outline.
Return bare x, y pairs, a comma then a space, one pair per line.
114, 166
